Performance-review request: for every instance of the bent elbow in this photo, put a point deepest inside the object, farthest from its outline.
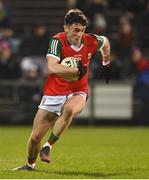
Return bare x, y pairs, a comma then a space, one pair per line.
51, 70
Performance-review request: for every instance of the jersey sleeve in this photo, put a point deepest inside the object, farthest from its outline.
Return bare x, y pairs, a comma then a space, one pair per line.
54, 49
100, 40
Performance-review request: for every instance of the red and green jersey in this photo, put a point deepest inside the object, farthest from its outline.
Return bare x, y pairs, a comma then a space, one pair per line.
60, 48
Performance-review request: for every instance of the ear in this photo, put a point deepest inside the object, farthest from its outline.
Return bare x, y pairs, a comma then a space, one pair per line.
66, 28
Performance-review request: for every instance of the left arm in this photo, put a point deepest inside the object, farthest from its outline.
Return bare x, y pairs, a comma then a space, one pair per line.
105, 51
104, 48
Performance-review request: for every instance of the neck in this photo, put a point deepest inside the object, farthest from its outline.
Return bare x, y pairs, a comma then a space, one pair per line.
74, 44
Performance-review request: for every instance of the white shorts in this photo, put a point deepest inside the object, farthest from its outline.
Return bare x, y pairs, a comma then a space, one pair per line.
55, 103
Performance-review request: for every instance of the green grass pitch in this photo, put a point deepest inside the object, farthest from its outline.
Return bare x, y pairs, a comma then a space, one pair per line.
82, 152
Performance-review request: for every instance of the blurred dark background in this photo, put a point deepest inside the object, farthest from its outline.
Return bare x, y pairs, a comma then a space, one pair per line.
25, 28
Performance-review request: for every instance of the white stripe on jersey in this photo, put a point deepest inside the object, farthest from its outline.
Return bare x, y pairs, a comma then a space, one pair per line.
103, 39
54, 46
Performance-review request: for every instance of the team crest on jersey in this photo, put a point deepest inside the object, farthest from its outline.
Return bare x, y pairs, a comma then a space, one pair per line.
89, 55
78, 57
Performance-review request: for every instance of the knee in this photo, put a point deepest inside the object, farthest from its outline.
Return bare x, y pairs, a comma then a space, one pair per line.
69, 111
35, 138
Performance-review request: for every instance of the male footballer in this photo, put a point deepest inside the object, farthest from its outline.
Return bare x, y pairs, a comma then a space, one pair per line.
66, 88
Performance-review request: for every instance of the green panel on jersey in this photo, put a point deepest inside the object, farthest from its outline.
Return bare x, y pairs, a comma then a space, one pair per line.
100, 40
54, 47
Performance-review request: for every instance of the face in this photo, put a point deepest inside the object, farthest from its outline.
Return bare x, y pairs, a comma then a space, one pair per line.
74, 33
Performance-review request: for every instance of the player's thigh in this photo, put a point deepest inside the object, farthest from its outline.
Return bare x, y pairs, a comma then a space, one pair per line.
75, 104
43, 121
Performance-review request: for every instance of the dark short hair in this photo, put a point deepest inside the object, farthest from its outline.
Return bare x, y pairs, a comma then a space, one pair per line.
75, 16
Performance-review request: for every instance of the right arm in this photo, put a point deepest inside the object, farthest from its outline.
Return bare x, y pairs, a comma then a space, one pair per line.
53, 59
55, 68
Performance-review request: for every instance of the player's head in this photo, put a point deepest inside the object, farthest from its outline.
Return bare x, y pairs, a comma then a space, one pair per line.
75, 16
75, 23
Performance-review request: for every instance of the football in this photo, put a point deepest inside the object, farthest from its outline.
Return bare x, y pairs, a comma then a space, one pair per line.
70, 62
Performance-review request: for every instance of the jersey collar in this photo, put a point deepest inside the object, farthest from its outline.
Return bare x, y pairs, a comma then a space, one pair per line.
75, 48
